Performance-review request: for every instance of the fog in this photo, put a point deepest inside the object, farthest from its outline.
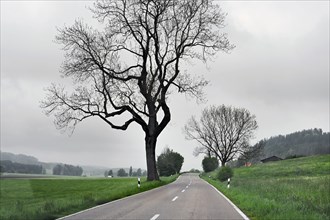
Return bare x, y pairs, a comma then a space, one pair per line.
279, 71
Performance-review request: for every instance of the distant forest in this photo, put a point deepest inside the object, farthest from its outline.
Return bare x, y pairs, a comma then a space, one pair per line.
67, 170
21, 163
301, 143
8, 166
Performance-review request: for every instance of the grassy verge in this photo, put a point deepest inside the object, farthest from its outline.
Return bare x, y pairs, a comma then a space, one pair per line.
290, 189
54, 198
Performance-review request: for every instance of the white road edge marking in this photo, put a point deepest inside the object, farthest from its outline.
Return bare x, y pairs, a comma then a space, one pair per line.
187, 187
155, 217
230, 202
183, 190
175, 198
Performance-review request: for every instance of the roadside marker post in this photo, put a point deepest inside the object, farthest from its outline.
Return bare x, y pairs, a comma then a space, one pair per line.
228, 183
139, 182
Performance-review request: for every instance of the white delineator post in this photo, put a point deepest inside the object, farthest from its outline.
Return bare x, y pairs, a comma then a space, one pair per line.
228, 183
139, 182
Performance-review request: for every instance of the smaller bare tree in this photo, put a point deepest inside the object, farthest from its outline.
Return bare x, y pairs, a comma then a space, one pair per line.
222, 131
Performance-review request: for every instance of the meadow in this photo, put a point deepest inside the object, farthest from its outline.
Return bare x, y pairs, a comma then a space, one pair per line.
57, 197
289, 189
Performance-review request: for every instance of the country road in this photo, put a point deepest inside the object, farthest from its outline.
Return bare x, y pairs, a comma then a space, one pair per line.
189, 197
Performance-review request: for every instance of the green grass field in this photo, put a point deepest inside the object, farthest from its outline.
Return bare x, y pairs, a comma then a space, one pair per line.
290, 189
53, 198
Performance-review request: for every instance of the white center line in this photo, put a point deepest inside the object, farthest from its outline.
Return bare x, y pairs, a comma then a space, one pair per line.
187, 187
174, 198
183, 190
155, 217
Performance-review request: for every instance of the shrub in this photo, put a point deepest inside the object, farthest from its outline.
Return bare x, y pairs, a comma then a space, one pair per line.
169, 162
210, 164
225, 173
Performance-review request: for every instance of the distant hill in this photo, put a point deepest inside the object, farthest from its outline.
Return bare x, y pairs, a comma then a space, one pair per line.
21, 163
19, 158
16, 163
302, 143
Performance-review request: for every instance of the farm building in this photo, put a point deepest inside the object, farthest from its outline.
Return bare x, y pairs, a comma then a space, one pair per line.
270, 159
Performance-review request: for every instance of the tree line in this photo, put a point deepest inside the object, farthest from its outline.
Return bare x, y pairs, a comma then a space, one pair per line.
122, 173
168, 163
67, 170
7, 166
301, 143
305, 143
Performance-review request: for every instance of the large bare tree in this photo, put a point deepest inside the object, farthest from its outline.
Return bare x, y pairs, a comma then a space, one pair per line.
131, 66
223, 131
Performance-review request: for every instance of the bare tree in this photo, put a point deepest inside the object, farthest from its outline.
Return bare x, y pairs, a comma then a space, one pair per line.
131, 67
222, 131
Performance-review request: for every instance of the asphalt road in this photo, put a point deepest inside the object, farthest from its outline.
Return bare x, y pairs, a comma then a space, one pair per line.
189, 197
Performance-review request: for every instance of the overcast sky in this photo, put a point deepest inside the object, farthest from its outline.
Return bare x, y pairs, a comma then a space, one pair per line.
279, 71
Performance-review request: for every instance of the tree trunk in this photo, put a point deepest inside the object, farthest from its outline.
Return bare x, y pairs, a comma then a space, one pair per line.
151, 158
223, 163
154, 129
